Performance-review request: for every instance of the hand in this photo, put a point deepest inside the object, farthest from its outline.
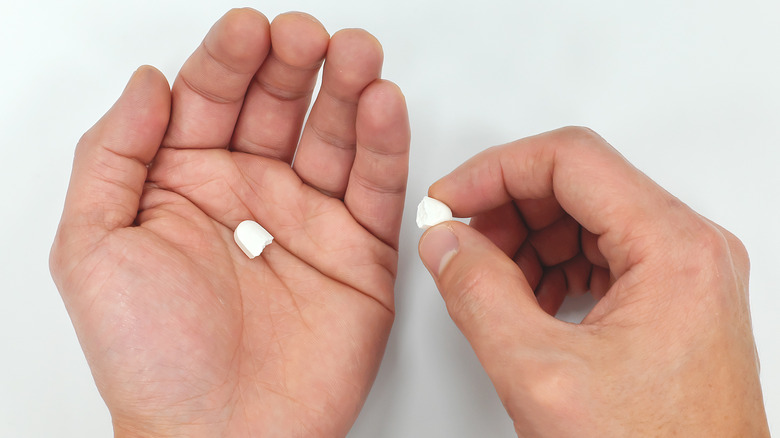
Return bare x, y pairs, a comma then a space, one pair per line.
184, 334
668, 350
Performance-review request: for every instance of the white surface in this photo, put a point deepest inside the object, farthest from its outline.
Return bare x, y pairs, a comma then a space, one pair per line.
252, 238
686, 90
431, 212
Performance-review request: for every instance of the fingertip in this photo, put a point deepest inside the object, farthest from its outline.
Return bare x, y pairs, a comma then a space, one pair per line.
153, 82
384, 93
148, 73
247, 17
299, 15
139, 117
240, 39
299, 39
435, 191
441, 189
469, 188
246, 11
382, 112
361, 41
355, 59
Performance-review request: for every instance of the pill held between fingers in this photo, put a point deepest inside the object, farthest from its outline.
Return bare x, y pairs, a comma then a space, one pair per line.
431, 212
252, 238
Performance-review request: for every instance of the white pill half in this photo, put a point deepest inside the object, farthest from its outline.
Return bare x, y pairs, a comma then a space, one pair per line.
252, 238
431, 212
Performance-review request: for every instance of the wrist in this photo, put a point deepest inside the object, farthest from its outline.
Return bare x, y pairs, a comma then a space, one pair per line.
130, 429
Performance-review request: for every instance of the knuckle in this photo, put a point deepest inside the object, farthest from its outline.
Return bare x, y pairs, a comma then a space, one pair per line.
711, 243
738, 251
54, 261
709, 254
57, 258
725, 252
87, 140
554, 388
578, 142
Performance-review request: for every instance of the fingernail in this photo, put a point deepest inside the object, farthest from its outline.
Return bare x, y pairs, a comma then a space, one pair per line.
133, 77
438, 246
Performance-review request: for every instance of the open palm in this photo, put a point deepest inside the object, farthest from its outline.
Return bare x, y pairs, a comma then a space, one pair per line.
184, 334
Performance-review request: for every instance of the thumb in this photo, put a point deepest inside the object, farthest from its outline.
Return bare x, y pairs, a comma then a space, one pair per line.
109, 168
533, 359
486, 293
110, 164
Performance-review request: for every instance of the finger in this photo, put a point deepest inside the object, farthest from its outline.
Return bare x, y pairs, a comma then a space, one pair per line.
589, 243
528, 262
209, 91
552, 290
377, 182
503, 226
540, 213
577, 271
109, 168
486, 295
571, 278
327, 147
278, 97
558, 242
590, 180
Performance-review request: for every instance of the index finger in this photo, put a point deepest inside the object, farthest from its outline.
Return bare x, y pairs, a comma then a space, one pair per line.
590, 180
209, 91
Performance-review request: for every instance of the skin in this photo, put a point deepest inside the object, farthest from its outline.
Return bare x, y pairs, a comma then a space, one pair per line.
184, 334
668, 350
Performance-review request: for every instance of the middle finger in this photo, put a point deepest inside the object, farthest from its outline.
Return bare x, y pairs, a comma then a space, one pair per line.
279, 95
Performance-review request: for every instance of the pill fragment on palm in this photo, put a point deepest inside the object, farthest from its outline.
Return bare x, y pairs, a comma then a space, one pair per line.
252, 238
431, 212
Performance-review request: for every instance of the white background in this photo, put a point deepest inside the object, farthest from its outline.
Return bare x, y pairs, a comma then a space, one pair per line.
686, 90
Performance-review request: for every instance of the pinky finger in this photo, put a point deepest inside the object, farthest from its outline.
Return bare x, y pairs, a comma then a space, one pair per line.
377, 182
